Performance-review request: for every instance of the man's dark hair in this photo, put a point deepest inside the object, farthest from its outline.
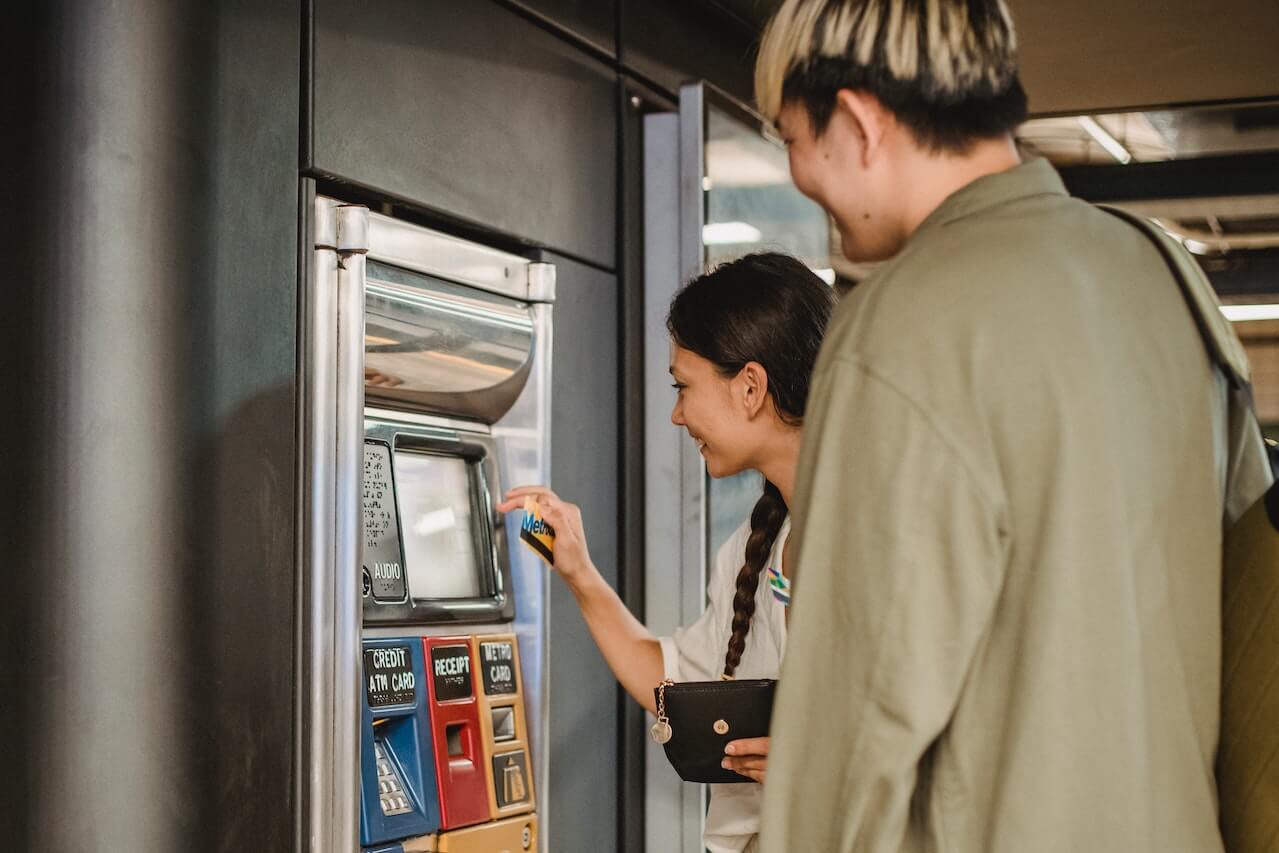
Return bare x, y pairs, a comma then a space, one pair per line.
946, 68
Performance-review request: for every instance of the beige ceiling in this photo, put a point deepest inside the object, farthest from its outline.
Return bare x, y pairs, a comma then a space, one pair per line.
1100, 55
1088, 56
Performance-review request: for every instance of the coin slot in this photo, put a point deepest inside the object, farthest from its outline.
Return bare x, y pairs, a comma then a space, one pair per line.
503, 724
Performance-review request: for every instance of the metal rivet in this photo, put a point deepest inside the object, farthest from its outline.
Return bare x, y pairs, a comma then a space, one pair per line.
721, 727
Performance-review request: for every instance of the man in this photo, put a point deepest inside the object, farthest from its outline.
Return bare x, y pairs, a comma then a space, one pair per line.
1006, 631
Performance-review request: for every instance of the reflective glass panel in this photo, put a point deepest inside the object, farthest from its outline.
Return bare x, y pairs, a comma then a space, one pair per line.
752, 206
441, 537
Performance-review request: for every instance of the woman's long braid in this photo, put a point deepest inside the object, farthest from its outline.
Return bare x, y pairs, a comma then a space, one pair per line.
766, 522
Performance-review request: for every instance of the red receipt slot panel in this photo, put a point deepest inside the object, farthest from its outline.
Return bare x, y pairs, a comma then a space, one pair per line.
455, 722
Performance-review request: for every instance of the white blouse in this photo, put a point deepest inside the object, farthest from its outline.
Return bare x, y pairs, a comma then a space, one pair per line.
696, 653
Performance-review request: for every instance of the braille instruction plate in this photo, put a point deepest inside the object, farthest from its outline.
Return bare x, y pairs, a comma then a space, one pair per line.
383, 558
388, 677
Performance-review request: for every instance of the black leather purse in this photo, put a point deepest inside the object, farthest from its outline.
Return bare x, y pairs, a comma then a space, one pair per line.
697, 719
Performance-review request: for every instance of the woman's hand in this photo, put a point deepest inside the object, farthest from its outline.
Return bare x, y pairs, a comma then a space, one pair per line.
572, 558
747, 757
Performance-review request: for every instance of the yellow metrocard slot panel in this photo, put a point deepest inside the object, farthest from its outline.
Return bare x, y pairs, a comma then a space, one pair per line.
503, 726
513, 835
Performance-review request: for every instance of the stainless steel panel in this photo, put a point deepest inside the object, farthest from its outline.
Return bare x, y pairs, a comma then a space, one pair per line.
372, 413
349, 517
541, 282
438, 347
332, 411
416, 248
318, 489
674, 518
692, 174
524, 436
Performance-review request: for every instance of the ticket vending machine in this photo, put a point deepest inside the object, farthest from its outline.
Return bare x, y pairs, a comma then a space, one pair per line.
456, 409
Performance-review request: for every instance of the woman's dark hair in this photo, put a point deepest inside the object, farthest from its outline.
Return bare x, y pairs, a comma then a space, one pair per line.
770, 309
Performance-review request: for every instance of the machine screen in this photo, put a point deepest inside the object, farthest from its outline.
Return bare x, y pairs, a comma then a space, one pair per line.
441, 533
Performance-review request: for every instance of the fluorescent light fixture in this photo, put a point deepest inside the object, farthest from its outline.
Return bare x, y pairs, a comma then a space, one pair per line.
827, 275
724, 233
1103, 138
1242, 313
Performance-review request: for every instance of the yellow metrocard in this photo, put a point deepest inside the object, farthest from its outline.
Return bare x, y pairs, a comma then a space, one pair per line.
536, 533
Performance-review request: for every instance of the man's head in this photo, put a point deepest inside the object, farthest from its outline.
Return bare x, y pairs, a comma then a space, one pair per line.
875, 96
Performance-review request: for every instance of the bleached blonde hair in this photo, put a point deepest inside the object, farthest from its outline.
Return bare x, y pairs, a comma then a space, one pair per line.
943, 50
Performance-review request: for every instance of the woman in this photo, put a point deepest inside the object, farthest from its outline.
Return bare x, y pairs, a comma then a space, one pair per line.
744, 339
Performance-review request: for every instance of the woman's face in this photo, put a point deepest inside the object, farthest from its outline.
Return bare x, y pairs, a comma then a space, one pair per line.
708, 406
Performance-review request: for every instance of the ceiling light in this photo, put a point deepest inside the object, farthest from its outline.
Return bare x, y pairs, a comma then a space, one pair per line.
1103, 138
1243, 313
724, 233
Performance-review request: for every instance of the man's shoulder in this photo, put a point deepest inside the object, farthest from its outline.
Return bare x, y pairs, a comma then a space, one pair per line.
991, 251
979, 275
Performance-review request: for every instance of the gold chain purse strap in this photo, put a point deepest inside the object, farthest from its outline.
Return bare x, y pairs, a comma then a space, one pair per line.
661, 730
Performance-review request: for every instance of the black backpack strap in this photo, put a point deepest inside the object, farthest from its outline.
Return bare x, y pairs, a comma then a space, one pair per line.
1225, 350
1218, 336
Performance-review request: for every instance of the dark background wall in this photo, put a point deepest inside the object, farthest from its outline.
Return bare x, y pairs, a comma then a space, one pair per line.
151, 200
472, 111
151, 209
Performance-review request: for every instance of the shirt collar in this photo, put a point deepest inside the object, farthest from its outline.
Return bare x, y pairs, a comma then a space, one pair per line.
1034, 177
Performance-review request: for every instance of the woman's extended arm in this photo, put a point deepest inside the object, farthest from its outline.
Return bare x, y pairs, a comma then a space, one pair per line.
631, 651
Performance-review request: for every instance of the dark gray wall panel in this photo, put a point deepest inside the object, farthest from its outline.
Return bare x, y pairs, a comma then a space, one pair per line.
582, 807
246, 542
469, 109
593, 20
675, 41
633, 733
157, 270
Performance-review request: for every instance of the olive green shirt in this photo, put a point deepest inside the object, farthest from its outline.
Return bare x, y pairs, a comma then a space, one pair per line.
1006, 627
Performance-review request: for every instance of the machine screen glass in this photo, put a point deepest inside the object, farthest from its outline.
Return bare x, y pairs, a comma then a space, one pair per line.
440, 528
